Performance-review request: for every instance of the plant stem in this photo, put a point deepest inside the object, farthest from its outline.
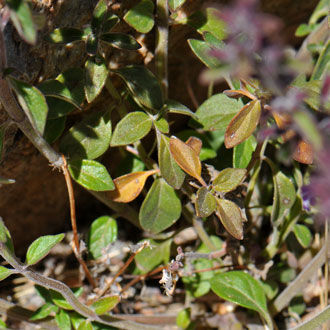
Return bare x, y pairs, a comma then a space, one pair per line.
161, 51
75, 246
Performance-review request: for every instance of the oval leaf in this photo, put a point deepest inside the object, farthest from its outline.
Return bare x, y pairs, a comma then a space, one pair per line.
99, 14
231, 217
120, 40
176, 107
303, 153
63, 320
64, 36
169, 169
89, 138
54, 129
140, 17
91, 174
133, 127
103, 232
129, 186
205, 203
217, 111
41, 247
105, 305
242, 289
85, 325
33, 103
161, 207
243, 124
242, 153
60, 301
5, 272
228, 179
143, 86
187, 158
303, 235
96, 74
162, 125
44, 311
195, 143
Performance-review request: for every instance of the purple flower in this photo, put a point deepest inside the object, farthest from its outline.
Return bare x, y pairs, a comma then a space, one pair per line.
289, 102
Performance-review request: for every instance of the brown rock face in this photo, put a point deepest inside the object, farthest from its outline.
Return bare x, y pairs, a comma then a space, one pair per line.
37, 203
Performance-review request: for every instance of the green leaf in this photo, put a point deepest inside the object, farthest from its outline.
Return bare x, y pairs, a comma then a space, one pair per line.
140, 17
303, 235
202, 50
169, 169
3, 324
60, 301
44, 311
5, 272
21, 18
99, 15
143, 86
162, 125
284, 195
231, 217
304, 30
129, 164
91, 175
175, 4
271, 288
205, 203
63, 320
102, 233
92, 44
96, 74
161, 208
228, 179
105, 305
322, 66
85, 325
89, 138
217, 112
242, 289
33, 103
242, 153
322, 9
110, 22
55, 88
176, 107
54, 129
41, 247
297, 305
65, 35
243, 124
151, 257
133, 127
183, 318
120, 40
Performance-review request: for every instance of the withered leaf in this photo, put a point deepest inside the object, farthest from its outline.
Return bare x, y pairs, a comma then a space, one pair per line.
195, 143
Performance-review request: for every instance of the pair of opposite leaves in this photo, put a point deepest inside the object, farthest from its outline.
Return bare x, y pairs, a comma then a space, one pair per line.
186, 155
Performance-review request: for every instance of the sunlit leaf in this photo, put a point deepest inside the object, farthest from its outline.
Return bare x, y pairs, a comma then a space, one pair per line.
41, 247
143, 86
21, 17
242, 153
161, 208
231, 217
33, 103
129, 186
162, 125
91, 174
63, 320
187, 158
228, 179
140, 17
243, 124
205, 203
169, 169
105, 305
239, 93
85, 325
133, 127
195, 143
65, 35
303, 235
183, 318
102, 233
60, 301
151, 257
217, 111
5, 272
44, 311
176, 107
303, 153
99, 14
96, 73
242, 289
120, 40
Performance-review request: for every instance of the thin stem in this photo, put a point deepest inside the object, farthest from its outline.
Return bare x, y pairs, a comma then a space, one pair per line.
75, 246
161, 51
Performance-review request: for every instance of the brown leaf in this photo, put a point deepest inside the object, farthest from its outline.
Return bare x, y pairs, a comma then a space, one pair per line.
187, 158
243, 124
231, 217
303, 153
129, 186
195, 143
237, 93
